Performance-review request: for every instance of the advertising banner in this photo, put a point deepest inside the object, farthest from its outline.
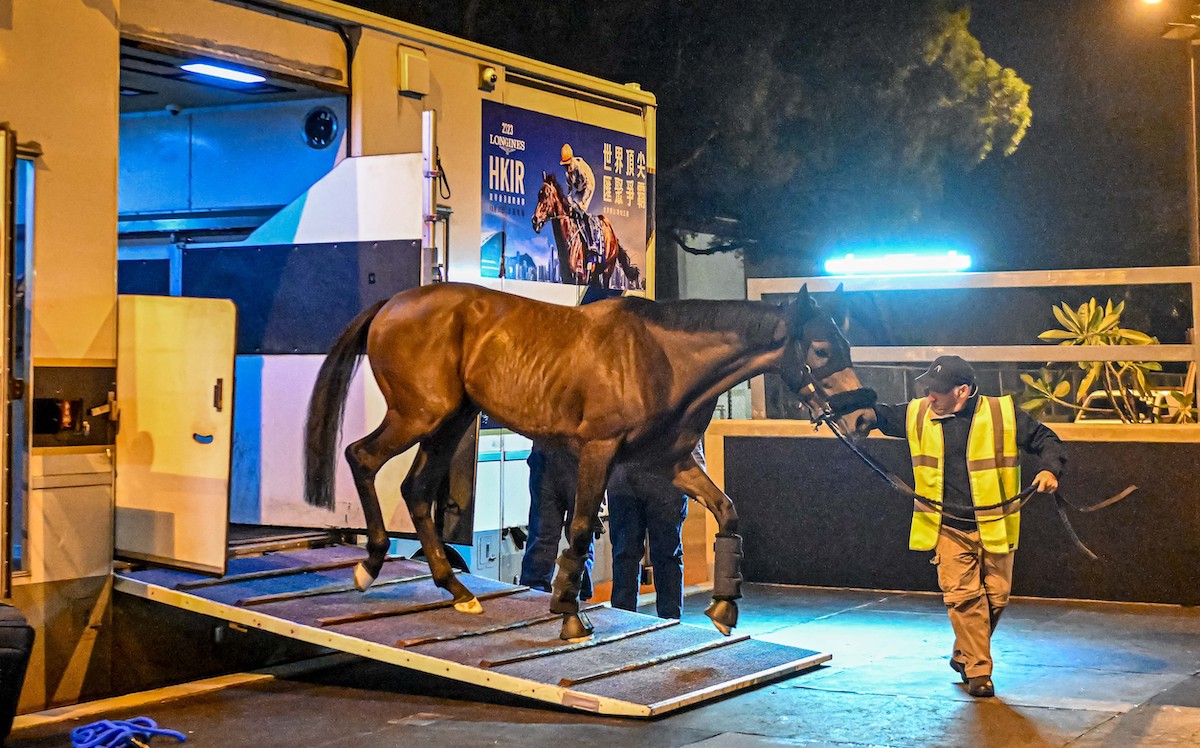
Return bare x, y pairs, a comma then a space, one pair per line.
563, 201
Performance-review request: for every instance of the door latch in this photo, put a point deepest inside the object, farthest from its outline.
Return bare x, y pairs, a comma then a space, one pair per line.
109, 408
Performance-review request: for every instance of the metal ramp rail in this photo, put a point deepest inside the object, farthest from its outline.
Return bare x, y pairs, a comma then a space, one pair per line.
634, 665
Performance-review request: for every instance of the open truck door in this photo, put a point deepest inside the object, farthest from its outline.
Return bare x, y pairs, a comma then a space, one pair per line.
175, 358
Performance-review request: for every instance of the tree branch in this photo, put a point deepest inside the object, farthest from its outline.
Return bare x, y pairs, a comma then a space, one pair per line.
694, 155
725, 246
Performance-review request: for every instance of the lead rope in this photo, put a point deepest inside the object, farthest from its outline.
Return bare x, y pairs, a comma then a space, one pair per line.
138, 731
1006, 507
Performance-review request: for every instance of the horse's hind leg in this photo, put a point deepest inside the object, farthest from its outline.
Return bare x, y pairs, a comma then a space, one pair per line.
366, 456
422, 490
727, 560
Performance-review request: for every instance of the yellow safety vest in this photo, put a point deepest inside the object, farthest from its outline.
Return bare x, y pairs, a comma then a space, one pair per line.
992, 464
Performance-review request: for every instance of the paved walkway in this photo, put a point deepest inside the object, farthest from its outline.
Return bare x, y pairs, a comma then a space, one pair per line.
1078, 674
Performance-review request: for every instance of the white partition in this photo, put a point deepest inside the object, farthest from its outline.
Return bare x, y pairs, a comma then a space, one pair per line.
268, 462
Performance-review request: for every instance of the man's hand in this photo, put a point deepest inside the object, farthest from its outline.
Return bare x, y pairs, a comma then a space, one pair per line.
1045, 482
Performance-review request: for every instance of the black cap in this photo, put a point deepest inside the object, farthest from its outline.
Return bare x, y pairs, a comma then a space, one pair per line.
946, 373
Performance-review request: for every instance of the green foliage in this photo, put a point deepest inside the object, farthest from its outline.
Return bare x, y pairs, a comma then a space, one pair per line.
1042, 390
1186, 404
981, 104
1125, 381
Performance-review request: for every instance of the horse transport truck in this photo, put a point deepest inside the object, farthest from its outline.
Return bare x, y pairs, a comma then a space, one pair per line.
198, 195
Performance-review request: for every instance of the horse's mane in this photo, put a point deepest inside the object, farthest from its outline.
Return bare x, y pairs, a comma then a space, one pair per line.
552, 180
754, 321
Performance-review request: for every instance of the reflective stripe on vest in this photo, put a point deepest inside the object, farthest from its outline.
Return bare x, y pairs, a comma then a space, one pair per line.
992, 466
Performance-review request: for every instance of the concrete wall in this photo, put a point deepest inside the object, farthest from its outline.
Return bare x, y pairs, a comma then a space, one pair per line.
717, 276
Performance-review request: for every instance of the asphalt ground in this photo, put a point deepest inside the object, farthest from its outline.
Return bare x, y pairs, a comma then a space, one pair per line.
1067, 673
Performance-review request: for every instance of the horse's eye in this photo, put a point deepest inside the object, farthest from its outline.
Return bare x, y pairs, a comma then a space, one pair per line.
822, 352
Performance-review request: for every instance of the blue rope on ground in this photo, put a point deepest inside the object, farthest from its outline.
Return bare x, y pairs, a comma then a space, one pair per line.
120, 733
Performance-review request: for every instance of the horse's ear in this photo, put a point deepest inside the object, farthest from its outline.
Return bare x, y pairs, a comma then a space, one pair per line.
543, 175
799, 308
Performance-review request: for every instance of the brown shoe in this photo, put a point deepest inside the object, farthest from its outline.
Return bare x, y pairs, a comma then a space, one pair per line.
981, 686
959, 668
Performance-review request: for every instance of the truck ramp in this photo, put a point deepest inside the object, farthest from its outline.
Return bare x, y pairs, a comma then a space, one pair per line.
634, 665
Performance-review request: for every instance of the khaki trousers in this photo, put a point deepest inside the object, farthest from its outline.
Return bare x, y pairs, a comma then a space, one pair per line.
975, 587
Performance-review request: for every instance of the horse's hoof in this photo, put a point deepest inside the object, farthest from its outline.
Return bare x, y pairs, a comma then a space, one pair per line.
576, 627
724, 615
471, 606
363, 578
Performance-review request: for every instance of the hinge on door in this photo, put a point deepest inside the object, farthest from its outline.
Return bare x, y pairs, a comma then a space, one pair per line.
16, 389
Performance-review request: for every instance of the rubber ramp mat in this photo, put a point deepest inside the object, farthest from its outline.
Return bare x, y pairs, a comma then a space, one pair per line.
634, 665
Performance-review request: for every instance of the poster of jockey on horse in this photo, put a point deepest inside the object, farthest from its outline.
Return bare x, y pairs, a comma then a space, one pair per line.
563, 201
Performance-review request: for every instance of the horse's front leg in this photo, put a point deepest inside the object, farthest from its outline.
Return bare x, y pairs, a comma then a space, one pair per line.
595, 462
727, 556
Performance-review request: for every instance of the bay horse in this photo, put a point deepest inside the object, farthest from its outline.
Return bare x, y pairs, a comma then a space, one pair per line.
623, 380
570, 242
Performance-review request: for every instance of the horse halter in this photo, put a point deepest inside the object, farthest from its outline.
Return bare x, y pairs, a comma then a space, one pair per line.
828, 409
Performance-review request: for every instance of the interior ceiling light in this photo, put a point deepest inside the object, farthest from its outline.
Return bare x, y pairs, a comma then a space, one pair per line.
914, 262
229, 74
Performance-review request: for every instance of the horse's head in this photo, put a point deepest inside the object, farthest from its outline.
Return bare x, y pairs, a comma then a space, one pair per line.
817, 368
550, 202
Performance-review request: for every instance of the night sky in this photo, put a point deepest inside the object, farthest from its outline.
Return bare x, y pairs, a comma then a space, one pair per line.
1100, 178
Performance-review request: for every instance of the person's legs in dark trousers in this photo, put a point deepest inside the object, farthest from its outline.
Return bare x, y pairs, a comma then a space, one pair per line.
665, 511
545, 527
558, 491
627, 531
551, 505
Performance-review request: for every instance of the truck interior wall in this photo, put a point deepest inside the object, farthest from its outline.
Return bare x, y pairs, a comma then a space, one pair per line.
221, 158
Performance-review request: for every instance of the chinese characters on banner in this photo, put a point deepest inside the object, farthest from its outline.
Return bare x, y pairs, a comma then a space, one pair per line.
563, 201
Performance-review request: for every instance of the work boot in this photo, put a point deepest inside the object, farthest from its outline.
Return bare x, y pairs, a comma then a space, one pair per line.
959, 668
981, 686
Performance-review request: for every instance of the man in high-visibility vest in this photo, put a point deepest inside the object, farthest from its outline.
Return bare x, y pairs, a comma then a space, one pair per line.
964, 449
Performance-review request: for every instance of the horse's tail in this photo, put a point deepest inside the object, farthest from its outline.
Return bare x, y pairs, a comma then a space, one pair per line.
325, 408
